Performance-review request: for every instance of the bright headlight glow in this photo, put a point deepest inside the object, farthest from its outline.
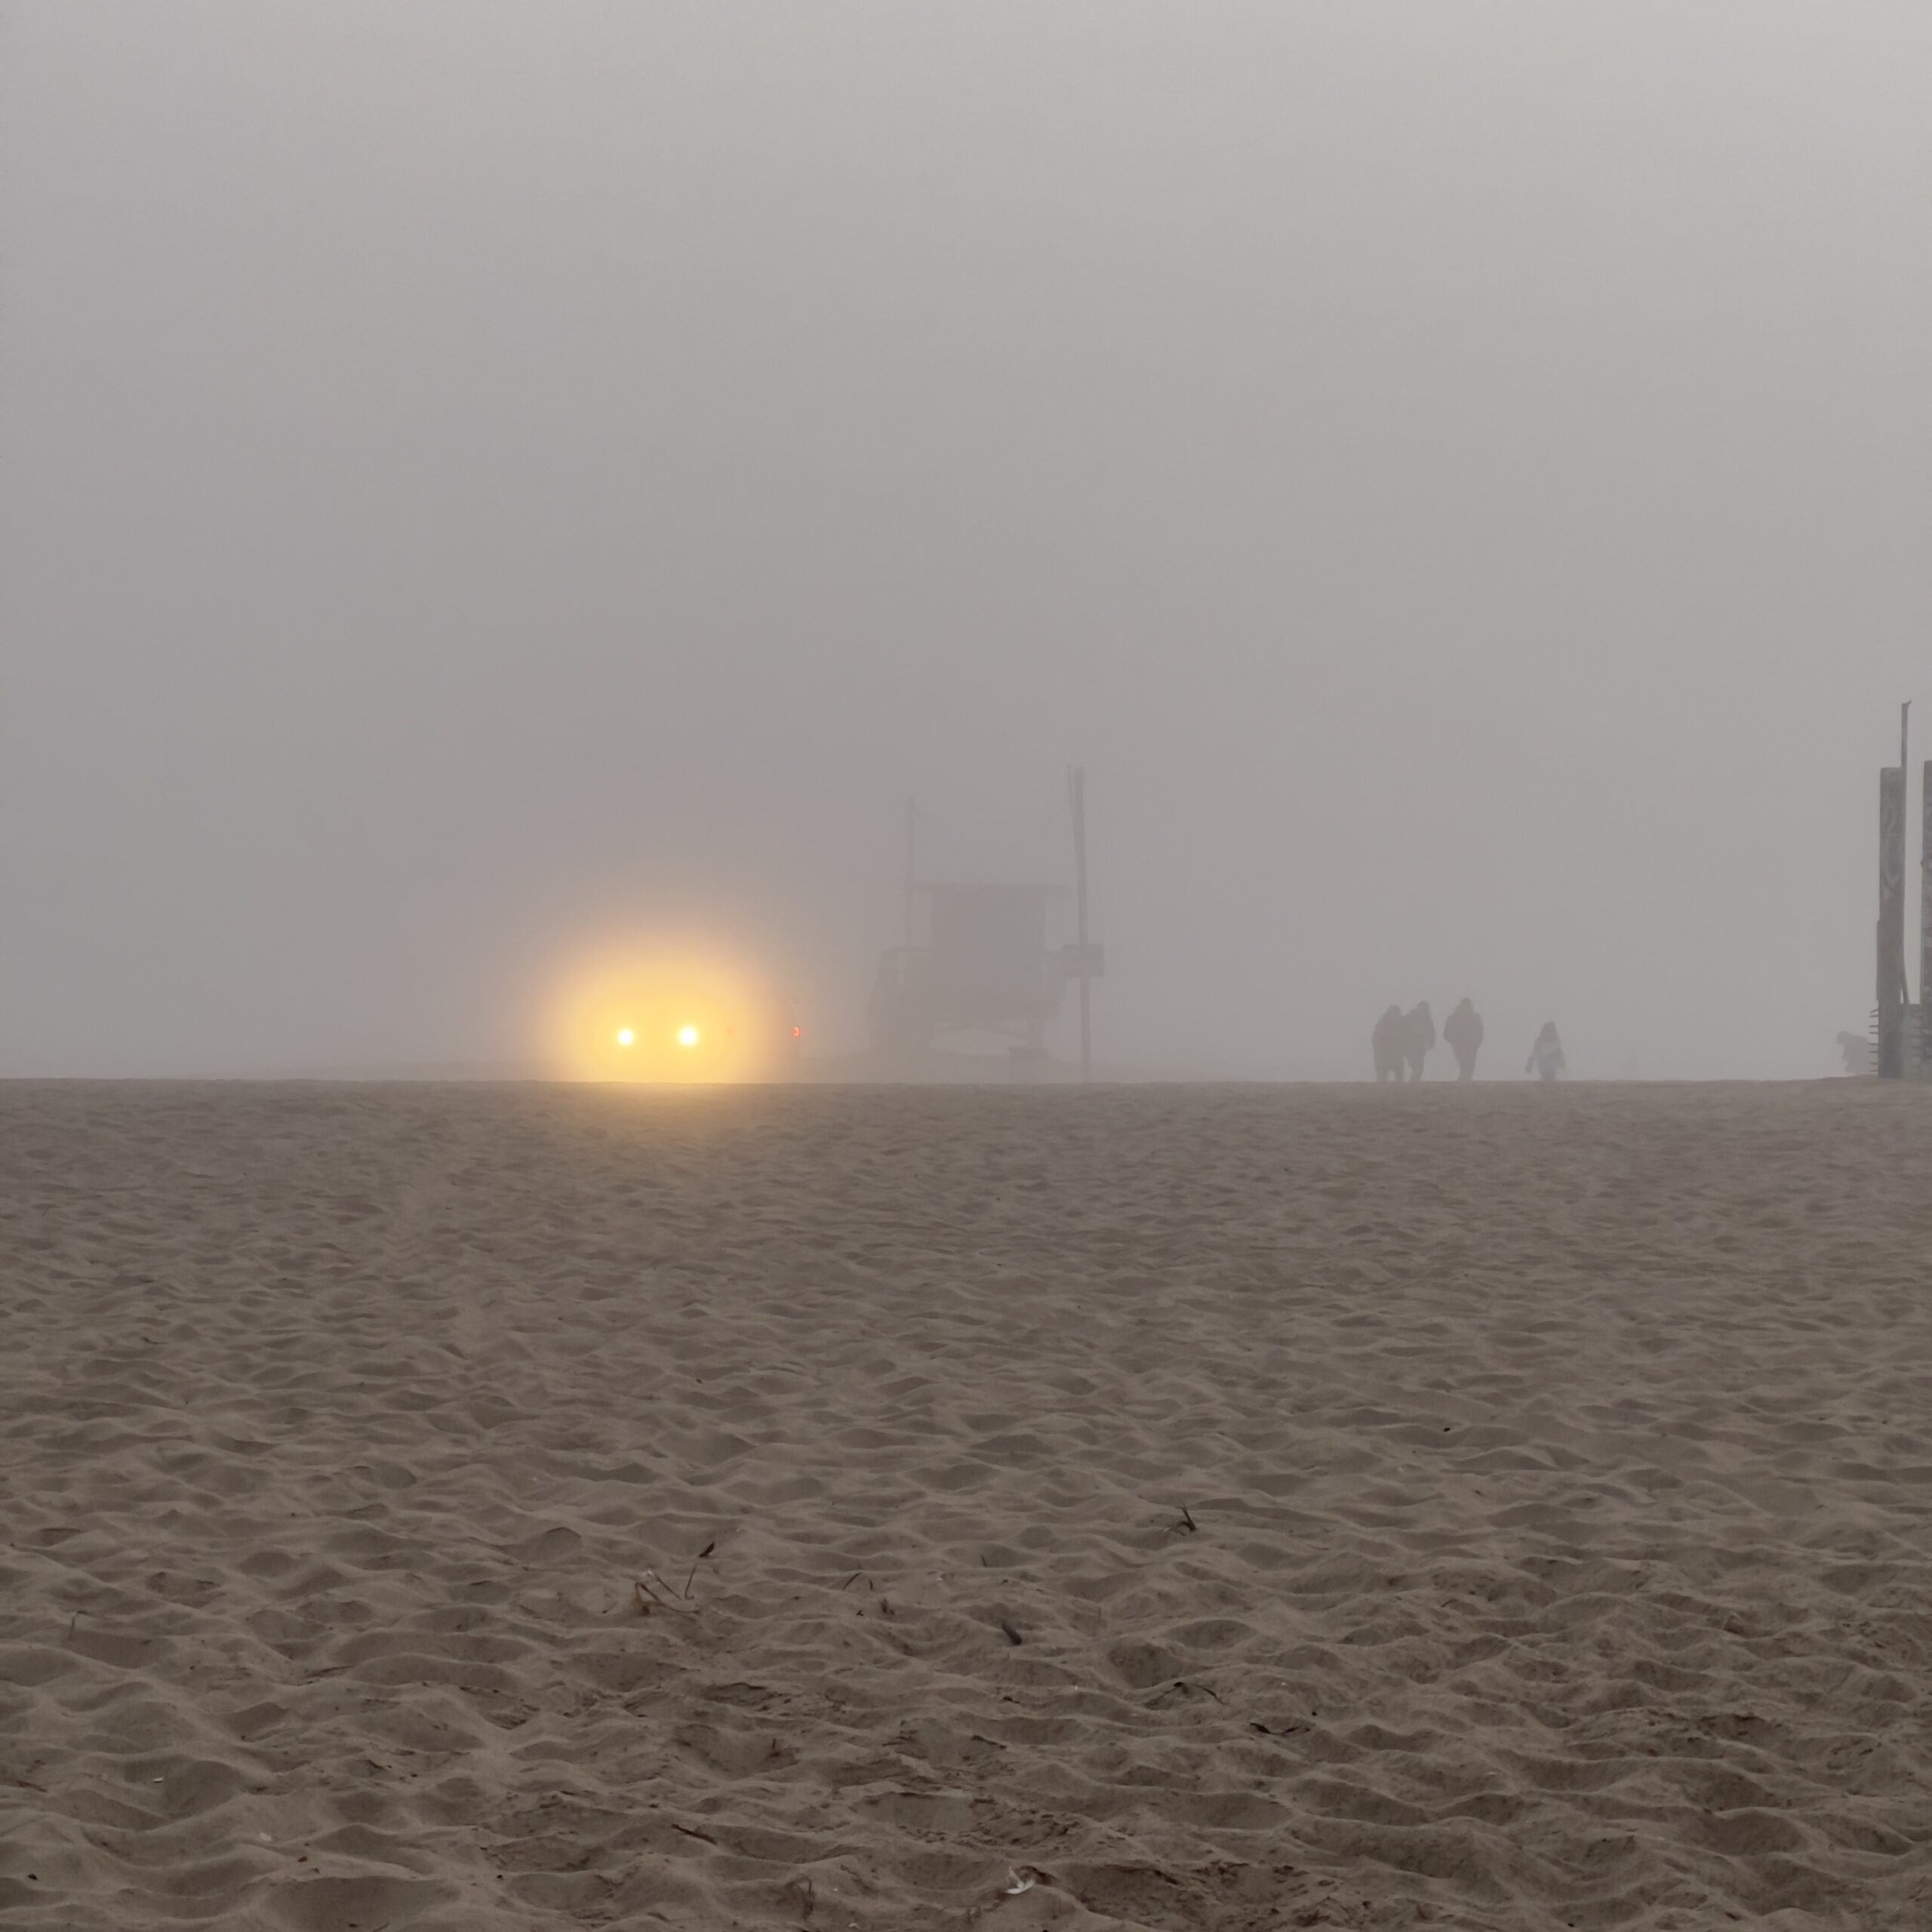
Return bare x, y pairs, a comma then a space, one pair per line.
664, 1011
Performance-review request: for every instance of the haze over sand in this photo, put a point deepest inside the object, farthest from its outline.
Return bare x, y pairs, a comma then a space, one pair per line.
1229, 1508
479, 473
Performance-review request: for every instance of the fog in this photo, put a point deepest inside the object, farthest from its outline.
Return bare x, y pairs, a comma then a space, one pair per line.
478, 476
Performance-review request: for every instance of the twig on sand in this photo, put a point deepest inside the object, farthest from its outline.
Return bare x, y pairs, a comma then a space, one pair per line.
692, 1832
808, 1894
1187, 1521
653, 1593
701, 1555
1013, 1636
854, 1577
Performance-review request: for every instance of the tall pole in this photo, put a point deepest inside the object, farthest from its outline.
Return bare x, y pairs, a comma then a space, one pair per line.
1078, 788
1891, 922
1906, 1045
1925, 922
1905, 813
911, 819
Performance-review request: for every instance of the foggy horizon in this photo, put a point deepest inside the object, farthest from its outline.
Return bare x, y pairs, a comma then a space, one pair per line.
477, 478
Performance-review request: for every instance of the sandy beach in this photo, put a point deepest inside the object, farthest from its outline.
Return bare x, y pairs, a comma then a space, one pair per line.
450, 1508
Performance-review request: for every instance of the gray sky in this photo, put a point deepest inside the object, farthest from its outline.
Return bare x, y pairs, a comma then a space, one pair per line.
1458, 476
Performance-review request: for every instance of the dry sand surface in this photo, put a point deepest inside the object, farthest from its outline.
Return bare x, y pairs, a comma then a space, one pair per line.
1225, 1507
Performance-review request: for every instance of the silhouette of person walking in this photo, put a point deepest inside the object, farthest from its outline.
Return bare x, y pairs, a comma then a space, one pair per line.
1462, 1030
1546, 1060
1418, 1036
1387, 1041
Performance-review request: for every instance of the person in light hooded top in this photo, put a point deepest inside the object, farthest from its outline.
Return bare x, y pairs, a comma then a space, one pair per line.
1546, 1060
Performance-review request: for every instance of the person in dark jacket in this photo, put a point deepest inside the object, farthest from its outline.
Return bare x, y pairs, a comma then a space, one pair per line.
1462, 1031
1418, 1036
1387, 1041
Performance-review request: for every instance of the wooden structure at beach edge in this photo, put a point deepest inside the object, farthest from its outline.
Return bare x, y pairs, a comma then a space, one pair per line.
983, 967
1903, 1038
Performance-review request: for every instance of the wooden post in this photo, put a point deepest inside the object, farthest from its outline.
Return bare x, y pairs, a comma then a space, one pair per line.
1078, 785
1891, 922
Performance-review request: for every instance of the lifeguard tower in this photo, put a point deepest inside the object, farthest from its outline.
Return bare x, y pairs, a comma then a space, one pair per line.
980, 959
